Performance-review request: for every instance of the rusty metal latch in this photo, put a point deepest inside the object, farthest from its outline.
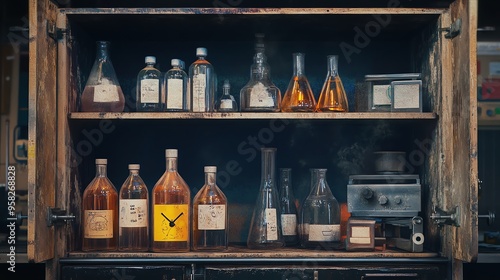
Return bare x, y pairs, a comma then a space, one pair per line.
441, 217
58, 216
454, 30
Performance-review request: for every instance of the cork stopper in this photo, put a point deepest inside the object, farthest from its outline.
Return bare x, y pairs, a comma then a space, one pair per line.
101, 161
210, 169
171, 153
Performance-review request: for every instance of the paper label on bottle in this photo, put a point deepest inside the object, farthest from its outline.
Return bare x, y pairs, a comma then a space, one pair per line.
98, 224
150, 91
271, 224
260, 97
226, 104
326, 233
133, 213
174, 94
199, 90
381, 95
106, 93
211, 217
289, 224
170, 222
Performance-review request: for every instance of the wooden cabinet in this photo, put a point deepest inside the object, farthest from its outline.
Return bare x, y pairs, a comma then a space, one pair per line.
436, 39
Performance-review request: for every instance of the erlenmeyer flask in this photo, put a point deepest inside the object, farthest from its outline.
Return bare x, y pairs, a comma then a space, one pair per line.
298, 96
265, 227
332, 97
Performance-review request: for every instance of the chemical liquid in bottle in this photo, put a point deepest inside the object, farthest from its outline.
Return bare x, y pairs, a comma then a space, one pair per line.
288, 208
148, 88
176, 83
298, 96
332, 97
226, 102
202, 83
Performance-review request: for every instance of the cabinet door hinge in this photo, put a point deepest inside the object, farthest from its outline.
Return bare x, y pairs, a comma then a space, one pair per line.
54, 32
454, 30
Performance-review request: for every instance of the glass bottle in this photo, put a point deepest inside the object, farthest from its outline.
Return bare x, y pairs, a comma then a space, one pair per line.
176, 81
134, 219
265, 227
332, 97
210, 220
102, 92
320, 216
202, 83
288, 208
148, 87
100, 212
298, 96
226, 102
260, 93
171, 209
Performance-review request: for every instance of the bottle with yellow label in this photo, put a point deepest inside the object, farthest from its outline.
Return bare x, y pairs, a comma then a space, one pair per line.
100, 212
171, 210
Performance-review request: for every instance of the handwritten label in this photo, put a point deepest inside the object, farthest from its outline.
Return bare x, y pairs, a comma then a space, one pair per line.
211, 217
133, 213
98, 224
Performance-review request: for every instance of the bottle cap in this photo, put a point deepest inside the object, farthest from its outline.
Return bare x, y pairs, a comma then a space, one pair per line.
101, 161
210, 168
201, 52
171, 153
134, 166
175, 62
150, 59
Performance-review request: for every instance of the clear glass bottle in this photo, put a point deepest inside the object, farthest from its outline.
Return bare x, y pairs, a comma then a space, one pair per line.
102, 92
332, 97
288, 208
226, 102
265, 227
320, 217
260, 93
134, 218
100, 212
176, 83
148, 87
298, 96
210, 220
202, 83
171, 210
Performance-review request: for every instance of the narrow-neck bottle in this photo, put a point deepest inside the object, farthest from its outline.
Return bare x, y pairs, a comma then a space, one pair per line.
298, 96
265, 226
288, 208
100, 212
202, 83
148, 87
332, 97
320, 216
171, 210
226, 102
134, 218
176, 81
210, 220
102, 92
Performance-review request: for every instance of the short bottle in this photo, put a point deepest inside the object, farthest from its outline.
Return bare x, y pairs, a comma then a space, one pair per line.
134, 219
226, 103
288, 208
202, 83
176, 83
332, 97
171, 210
100, 212
298, 96
210, 220
148, 87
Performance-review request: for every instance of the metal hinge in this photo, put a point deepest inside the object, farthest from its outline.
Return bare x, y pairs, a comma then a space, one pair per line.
454, 30
58, 216
441, 217
54, 32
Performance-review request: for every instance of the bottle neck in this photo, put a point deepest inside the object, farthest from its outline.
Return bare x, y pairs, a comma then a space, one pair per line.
171, 164
333, 69
298, 64
268, 155
101, 170
210, 178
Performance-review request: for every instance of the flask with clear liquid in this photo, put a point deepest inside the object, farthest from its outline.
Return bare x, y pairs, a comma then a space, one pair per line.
265, 226
299, 96
171, 210
288, 208
134, 219
202, 83
210, 220
332, 97
102, 92
148, 87
100, 212
176, 83
226, 102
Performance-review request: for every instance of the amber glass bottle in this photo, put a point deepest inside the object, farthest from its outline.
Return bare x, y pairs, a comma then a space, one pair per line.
100, 212
171, 210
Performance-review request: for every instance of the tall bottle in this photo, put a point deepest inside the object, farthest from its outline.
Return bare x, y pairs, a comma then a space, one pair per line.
298, 96
320, 216
100, 212
134, 219
171, 209
260, 93
288, 208
332, 97
202, 83
102, 92
265, 227
226, 102
148, 87
176, 83
210, 220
